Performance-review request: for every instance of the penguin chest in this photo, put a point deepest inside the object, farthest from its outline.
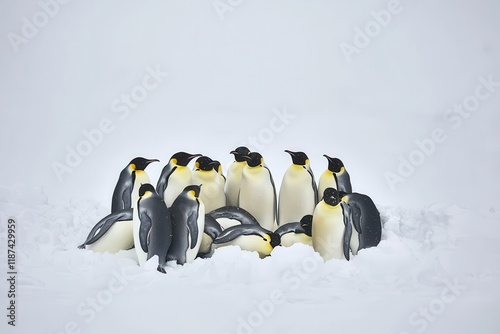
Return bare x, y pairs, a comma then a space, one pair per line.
297, 196
180, 179
257, 196
118, 237
212, 190
327, 180
328, 231
233, 181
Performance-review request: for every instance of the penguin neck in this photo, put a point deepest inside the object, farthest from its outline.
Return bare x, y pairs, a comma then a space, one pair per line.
141, 177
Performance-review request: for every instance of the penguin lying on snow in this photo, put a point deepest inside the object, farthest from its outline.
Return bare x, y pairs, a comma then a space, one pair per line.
296, 232
112, 233
249, 238
220, 219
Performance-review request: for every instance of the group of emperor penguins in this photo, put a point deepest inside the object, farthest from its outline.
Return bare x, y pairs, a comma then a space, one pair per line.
191, 212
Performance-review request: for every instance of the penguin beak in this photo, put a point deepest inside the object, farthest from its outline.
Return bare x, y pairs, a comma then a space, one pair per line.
152, 160
327, 157
233, 152
246, 157
290, 152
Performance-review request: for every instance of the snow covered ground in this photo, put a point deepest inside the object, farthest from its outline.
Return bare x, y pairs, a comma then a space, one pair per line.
406, 93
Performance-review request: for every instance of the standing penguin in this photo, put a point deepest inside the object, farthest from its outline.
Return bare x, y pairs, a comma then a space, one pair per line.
155, 232
257, 191
124, 189
212, 193
175, 176
331, 227
234, 173
188, 222
298, 191
335, 176
366, 220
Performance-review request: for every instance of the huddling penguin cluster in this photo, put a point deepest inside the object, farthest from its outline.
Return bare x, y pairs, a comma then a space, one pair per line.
191, 212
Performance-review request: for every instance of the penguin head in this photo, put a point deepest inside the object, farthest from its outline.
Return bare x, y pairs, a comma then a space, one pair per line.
275, 239
334, 164
331, 196
298, 158
239, 153
145, 189
183, 158
193, 190
306, 224
204, 163
254, 159
141, 163
217, 166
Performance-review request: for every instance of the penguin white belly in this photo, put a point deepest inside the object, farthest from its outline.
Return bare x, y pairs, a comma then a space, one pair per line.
327, 180
257, 196
212, 190
290, 239
233, 181
297, 197
120, 236
140, 178
250, 243
191, 253
180, 179
328, 231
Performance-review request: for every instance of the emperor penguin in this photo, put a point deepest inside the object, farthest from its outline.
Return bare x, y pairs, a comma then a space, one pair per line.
234, 173
249, 238
298, 192
124, 189
257, 191
155, 232
112, 233
212, 190
188, 222
175, 176
366, 221
296, 232
332, 227
335, 176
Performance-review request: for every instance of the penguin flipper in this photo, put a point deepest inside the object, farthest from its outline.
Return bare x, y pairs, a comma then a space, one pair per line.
356, 217
163, 179
314, 185
212, 227
144, 229
275, 204
348, 229
105, 224
234, 212
122, 189
192, 223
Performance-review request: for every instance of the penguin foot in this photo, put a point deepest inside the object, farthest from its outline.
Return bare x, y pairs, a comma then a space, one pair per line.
161, 269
